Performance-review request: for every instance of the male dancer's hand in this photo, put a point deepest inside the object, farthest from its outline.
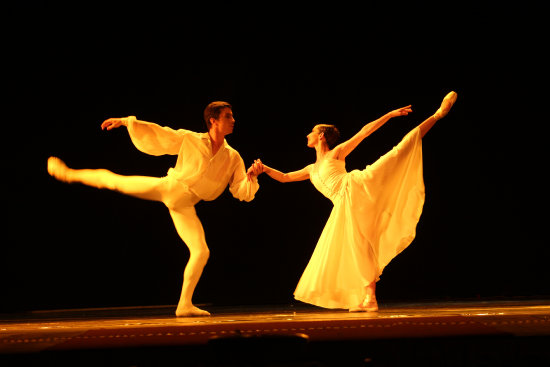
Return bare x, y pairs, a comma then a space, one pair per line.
255, 169
114, 122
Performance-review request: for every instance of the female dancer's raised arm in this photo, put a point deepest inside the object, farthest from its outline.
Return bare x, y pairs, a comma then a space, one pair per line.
316, 140
342, 150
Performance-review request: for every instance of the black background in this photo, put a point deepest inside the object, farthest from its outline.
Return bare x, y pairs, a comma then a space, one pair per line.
68, 67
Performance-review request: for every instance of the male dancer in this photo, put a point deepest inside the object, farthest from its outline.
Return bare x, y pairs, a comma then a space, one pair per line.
206, 164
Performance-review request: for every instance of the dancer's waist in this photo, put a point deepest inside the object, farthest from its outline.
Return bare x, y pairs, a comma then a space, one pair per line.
202, 186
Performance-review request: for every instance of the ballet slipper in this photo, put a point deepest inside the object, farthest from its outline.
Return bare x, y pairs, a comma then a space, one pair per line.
370, 304
191, 312
446, 105
58, 169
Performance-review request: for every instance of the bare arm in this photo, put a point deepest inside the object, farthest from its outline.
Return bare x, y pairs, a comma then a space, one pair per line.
299, 175
342, 150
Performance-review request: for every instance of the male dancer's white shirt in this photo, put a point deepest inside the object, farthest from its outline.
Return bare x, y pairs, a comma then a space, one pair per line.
205, 174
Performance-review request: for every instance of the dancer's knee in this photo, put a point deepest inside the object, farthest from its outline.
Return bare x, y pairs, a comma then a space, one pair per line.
107, 179
200, 256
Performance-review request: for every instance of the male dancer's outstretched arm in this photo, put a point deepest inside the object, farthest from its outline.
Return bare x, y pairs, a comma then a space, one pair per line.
148, 137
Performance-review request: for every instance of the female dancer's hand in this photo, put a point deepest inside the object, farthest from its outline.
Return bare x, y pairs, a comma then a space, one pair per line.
259, 167
255, 169
112, 123
403, 111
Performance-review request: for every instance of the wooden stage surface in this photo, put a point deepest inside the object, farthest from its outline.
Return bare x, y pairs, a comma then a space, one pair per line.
442, 333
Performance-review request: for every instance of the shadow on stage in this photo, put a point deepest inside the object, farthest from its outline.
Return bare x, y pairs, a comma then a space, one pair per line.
461, 333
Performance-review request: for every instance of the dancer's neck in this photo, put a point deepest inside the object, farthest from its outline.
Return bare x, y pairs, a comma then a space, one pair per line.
216, 140
321, 151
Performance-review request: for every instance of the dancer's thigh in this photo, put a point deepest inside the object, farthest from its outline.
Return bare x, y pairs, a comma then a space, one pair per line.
190, 229
174, 194
143, 187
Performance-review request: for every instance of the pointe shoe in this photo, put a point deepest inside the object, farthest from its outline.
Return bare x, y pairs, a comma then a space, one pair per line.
369, 305
446, 105
58, 169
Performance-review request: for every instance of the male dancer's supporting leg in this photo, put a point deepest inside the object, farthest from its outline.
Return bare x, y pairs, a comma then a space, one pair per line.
191, 232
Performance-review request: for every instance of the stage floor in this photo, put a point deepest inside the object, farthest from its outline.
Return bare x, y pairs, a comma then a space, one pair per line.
40, 333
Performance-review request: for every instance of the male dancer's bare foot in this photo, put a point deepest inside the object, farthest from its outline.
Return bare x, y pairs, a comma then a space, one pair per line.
58, 169
446, 105
191, 311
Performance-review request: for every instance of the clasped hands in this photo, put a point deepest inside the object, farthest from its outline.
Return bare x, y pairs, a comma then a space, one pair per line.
255, 169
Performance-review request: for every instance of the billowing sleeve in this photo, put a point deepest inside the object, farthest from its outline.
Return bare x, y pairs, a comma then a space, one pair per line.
239, 186
153, 139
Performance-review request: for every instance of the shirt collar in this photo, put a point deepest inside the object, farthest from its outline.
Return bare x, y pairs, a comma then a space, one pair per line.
206, 137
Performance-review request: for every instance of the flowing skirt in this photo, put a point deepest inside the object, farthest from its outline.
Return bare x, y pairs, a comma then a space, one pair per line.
372, 221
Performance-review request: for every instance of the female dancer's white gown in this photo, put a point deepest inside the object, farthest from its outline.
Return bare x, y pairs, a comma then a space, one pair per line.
374, 218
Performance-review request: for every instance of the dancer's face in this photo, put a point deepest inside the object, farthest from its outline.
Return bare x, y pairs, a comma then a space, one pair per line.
313, 137
225, 122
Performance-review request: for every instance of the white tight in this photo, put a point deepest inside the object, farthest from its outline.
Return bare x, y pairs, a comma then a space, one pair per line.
180, 202
143, 187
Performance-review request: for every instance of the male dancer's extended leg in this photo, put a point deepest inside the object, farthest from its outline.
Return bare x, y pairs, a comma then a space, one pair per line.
142, 187
185, 219
191, 232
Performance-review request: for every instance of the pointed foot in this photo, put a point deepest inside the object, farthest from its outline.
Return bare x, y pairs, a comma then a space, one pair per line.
446, 105
58, 169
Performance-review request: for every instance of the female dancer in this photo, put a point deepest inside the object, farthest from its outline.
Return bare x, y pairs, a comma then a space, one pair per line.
375, 211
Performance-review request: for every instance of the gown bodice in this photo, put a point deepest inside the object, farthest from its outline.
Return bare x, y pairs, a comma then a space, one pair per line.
328, 176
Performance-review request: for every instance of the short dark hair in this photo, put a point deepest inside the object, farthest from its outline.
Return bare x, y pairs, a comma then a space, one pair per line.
213, 111
331, 134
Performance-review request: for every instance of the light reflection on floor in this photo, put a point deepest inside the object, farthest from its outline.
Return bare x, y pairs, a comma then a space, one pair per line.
41, 330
